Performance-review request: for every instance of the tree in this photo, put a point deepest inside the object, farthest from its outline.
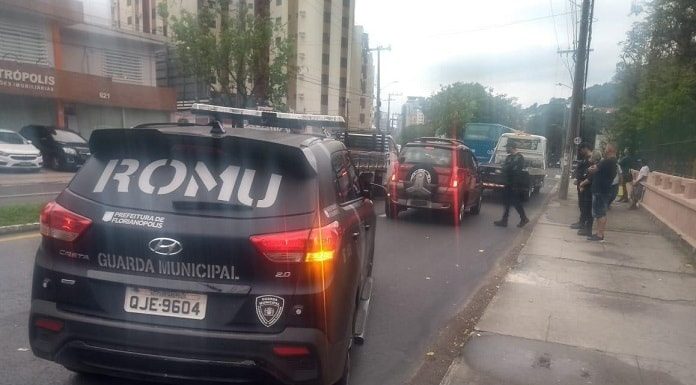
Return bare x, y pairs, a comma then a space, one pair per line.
657, 86
240, 55
455, 105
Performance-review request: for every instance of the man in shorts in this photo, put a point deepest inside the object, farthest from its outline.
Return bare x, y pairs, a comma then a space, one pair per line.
603, 175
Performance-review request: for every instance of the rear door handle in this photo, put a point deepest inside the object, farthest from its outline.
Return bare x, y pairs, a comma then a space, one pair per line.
356, 236
367, 226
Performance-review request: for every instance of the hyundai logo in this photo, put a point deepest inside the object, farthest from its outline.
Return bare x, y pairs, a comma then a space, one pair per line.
165, 246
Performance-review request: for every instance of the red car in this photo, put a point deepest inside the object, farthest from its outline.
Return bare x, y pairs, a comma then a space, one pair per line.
435, 174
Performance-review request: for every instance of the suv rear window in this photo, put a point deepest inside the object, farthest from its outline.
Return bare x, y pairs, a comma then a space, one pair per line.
435, 156
200, 176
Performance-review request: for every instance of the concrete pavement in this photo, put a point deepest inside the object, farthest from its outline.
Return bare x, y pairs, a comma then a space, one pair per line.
577, 312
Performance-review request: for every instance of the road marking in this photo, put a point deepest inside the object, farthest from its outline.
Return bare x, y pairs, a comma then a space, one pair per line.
20, 237
30, 195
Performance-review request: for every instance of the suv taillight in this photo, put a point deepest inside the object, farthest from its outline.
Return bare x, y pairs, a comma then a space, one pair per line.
314, 245
60, 223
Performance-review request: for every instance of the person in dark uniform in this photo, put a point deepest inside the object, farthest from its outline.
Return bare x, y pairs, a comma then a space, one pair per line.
584, 224
513, 194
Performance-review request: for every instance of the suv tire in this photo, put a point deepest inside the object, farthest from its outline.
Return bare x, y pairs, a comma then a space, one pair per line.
476, 210
56, 163
345, 377
390, 209
459, 214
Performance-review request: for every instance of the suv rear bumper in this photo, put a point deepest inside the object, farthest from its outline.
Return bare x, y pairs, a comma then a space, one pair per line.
142, 351
444, 198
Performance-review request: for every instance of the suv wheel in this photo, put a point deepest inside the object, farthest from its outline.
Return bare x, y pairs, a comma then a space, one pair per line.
476, 210
458, 215
390, 209
345, 378
55, 163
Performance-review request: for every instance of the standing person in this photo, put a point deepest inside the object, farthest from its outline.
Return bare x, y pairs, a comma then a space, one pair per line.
638, 188
602, 176
584, 194
585, 188
615, 185
514, 184
626, 162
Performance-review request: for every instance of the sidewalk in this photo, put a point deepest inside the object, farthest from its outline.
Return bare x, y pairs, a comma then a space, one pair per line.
579, 312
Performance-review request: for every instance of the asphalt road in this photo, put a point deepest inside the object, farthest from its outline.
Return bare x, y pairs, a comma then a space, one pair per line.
425, 271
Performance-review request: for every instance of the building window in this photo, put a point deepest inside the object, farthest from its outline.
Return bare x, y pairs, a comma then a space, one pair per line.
362, 118
128, 3
325, 59
324, 79
123, 67
164, 30
130, 20
324, 100
327, 17
279, 2
24, 42
346, 3
327, 38
362, 102
344, 62
344, 82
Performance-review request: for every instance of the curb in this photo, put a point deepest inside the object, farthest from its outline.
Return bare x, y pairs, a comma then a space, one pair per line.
4, 230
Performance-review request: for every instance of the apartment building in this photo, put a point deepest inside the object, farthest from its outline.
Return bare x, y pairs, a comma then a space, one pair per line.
321, 29
362, 77
412, 111
56, 69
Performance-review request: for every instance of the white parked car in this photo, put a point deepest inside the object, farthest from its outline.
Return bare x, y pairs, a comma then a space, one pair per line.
16, 152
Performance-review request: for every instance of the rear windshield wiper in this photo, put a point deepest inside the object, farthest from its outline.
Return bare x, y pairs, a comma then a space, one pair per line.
209, 206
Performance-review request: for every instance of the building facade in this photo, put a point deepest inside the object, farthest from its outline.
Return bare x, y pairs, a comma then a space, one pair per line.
362, 76
323, 35
412, 111
322, 31
57, 70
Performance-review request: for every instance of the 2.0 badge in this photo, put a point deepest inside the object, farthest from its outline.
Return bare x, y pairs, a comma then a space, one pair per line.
269, 308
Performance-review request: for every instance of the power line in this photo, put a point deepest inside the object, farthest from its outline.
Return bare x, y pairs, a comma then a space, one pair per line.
496, 26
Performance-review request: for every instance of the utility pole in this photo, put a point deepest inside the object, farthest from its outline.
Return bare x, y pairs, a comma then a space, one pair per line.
389, 100
379, 50
577, 100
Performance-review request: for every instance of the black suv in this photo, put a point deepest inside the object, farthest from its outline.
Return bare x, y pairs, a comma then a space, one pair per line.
435, 174
181, 253
61, 149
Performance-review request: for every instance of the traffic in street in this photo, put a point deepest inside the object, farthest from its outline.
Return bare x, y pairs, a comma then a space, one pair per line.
425, 271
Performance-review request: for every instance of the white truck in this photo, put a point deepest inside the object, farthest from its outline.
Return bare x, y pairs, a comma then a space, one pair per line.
532, 147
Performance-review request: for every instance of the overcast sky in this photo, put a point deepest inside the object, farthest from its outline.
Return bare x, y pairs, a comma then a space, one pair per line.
509, 45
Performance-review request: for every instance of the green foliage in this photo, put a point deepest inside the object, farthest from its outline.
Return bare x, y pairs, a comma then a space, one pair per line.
20, 214
241, 56
657, 87
414, 132
602, 95
455, 105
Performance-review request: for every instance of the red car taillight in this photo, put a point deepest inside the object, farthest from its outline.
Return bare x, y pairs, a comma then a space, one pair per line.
60, 223
313, 245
